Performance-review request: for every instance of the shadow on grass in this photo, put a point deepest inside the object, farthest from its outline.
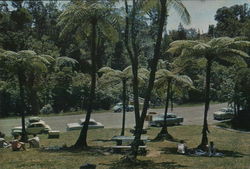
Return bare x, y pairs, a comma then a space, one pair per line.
163, 139
226, 153
145, 164
169, 150
103, 140
94, 150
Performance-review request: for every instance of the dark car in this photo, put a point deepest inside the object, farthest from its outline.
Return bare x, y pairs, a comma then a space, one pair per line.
172, 119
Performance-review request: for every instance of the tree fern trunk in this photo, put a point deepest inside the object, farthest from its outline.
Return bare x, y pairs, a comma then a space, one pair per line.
124, 97
35, 107
135, 66
133, 55
164, 128
204, 140
149, 89
81, 143
171, 98
21, 80
164, 131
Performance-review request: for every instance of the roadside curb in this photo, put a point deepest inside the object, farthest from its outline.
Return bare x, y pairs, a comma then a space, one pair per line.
233, 130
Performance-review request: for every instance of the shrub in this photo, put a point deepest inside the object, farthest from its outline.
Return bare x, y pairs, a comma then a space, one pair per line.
47, 109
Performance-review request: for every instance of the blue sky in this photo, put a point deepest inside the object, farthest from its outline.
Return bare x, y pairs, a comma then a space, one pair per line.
202, 13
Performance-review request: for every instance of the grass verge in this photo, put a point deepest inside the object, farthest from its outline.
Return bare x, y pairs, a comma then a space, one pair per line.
160, 155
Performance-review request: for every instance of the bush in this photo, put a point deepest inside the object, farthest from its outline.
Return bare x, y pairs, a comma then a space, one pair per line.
47, 109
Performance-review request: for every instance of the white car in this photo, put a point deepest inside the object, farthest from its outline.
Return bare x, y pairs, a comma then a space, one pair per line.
223, 114
32, 128
119, 107
78, 126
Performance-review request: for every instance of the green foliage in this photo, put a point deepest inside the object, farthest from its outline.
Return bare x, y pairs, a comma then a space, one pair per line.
79, 16
242, 89
47, 109
9, 99
21, 17
43, 46
231, 21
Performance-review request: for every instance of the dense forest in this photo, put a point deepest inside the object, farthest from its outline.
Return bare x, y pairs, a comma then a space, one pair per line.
52, 66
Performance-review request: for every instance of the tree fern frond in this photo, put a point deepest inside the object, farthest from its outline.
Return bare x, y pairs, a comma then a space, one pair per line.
181, 10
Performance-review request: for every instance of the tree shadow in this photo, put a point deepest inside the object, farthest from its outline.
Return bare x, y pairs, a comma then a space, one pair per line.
162, 137
103, 140
225, 153
169, 150
228, 153
143, 164
93, 151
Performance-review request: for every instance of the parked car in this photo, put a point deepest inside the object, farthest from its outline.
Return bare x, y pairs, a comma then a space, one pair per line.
34, 119
223, 114
172, 119
119, 107
77, 126
32, 128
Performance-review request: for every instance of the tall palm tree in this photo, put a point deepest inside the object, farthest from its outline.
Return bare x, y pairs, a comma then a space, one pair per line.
90, 19
112, 76
24, 65
163, 6
218, 49
166, 79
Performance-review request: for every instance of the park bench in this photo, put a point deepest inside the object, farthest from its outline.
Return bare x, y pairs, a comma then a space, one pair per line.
120, 149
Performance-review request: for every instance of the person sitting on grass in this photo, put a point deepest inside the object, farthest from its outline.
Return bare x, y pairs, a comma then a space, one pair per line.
16, 144
181, 147
211, 149
34, 142
3, 142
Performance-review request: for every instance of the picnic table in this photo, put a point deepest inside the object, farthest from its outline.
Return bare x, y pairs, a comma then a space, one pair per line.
127, 139
121, 140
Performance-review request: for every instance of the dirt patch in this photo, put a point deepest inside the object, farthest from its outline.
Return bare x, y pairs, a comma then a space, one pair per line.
153, 153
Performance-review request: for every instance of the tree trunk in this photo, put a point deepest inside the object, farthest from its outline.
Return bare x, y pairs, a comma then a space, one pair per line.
124, 97
81, 143
133, 55
35, 108
204, 140
149, 89
171, 98
21, 80
164, 131
33, 99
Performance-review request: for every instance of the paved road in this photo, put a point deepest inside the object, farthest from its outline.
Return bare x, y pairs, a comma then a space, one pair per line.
192, 116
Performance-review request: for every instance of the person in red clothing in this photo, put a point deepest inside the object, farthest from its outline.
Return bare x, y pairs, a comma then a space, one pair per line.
16, 144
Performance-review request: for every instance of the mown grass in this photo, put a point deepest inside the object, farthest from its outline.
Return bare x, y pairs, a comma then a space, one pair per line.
160, 154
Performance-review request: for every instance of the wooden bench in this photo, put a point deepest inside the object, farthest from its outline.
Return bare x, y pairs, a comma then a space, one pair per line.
119, 149
54, 134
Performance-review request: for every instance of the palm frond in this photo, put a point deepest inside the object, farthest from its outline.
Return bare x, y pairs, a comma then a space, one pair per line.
184, 80
105, 70
181, 10
127, 71
220, 42
65, 61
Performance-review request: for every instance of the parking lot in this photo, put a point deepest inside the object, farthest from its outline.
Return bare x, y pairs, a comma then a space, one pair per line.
192, 116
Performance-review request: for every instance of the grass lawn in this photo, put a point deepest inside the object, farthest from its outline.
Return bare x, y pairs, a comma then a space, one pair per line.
236, 146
